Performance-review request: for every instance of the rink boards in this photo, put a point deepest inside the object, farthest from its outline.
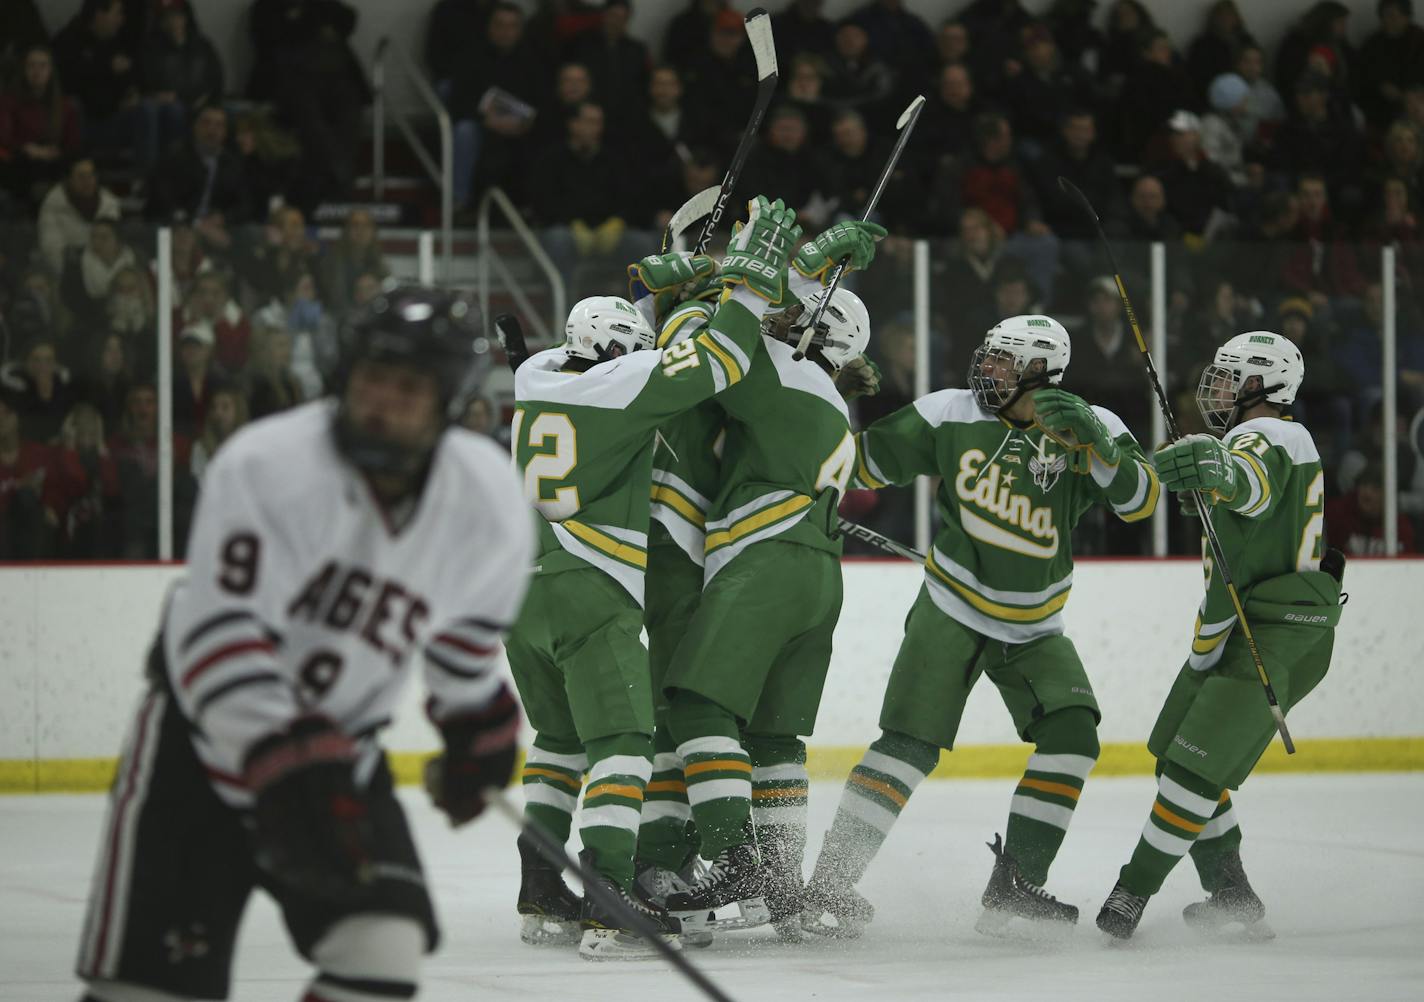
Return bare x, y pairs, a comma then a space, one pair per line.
72, 642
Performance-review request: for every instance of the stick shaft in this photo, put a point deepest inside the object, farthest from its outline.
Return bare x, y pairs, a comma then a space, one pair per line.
860, 532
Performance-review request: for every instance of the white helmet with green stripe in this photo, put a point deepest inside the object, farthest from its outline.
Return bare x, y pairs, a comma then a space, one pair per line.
1019, 354
1223, 392
604, 327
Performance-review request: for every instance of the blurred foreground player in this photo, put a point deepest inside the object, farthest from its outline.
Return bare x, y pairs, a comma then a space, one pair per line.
331, 543
1264, 481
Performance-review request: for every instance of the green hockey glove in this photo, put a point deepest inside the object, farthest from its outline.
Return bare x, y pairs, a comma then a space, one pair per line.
1070, 421
759, 251
670, 279
860, 377
1199, 463
818, 256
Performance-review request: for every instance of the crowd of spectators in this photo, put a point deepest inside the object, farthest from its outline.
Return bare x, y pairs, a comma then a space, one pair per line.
1274, 170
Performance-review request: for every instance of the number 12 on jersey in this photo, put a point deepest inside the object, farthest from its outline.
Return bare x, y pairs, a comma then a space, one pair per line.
554, 437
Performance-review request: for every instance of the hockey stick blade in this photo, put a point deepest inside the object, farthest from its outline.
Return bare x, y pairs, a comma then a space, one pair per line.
596, 887
511, 338
860, 532
905, 125
764, 51
688, 213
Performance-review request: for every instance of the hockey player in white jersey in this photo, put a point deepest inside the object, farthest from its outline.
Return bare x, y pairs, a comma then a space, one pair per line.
333, 542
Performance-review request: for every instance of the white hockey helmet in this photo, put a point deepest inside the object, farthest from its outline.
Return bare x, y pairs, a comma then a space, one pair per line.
1272, 357
844, 329
1007, 364
604, 327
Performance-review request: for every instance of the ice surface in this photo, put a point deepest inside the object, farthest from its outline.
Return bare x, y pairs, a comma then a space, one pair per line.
1338, 859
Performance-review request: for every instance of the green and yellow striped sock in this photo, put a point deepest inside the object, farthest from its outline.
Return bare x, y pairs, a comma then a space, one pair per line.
1066, 749
719, 789
1221, 835
553, 777
1185, 803
663, 832
613, 802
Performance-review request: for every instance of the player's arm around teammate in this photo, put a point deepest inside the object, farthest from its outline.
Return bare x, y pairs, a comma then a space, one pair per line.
1266, 488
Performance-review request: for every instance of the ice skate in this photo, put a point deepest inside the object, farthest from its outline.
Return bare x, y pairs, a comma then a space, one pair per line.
730, 895
655, 883
606, 935
1009, 896
1121, 912
836, 912
548, 909
1233, 910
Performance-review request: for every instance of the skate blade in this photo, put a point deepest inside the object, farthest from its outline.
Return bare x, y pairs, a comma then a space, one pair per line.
698, 939
830, 926
1006, 925
788, 930
541, 930
599, 945
748, 914
1233, 931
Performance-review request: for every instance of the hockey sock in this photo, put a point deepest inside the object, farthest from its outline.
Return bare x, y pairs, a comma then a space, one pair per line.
1185, 803
779, 786
877, 790
1066, 749
553, 777
619, 768
1221, 836
663, 835
718, 772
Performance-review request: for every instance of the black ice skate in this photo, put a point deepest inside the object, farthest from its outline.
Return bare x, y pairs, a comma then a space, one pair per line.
655, 883
1121, 912
837, 912
1010, 896
606, 934
1233, 908
549, 911
730, 895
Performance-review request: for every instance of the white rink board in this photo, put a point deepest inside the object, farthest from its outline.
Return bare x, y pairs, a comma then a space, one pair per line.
73, 640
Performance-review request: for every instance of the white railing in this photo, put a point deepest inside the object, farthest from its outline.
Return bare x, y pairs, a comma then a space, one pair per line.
491, 262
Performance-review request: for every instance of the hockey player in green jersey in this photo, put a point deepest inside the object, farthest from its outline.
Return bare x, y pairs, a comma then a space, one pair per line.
746, 680
996, 581
583, 435
1264, 483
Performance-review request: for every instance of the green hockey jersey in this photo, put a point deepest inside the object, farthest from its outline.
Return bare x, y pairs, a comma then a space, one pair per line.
787, 458
1277, 528
1002, 562
584, 441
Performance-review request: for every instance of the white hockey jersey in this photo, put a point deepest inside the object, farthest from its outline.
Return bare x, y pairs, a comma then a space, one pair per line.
301, 598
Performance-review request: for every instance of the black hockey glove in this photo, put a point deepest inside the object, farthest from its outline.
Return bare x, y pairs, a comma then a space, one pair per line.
312, 832
480, 749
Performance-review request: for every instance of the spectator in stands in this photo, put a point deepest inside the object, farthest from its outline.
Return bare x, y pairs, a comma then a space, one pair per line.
996, 28
1228, 130
89, 271
367, 287
946, 124
970, 274
69, 210
40, 391
1199, 193
130, 312
1390, 60
699, 170
855, 77
194, 378
1129, 23
1354, 521
1147, 219
802, 29
582, 198
82, 487
1359, 352
806, 92
1264, 107
180, 73
314, 334
135, 451
1395, 223
1105, 362
1316, 140
271, 386
1324, 24
39, 127
304, 65
189, 260
1324, 402
105, 377
38, 310
356, 253
686, 36
210, 305
285, 253
721, 64
1325, 266
1403, 160
227, 412
952, 47
1014, 292
20, 27
493, 100
1157, 88
1077, 156
1263, 249
448, 31
1042, 89
849, 170
1213, 52
24, 469
783, 162
99, 68
481, 417
268, 158
1071, 22
202, 182
899, 38
573, 86
619, 63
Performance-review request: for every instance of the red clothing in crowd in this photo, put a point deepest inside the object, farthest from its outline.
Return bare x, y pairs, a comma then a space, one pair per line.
998, 189
79, 493
32, 459
26, 120
1358, 534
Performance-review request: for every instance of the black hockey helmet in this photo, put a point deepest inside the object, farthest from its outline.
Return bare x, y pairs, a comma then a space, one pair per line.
431, 330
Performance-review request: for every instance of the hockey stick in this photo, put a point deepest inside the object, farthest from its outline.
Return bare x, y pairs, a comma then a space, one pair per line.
905, 125
764, 50
1173, 434
885, 543
594, 885
688, 213
511, 339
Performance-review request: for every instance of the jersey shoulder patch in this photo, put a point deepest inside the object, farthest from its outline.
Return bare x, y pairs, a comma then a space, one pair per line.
1292, 437
951, 406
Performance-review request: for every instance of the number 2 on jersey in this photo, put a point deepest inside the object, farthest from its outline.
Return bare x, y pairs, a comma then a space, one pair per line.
1307, 558
545, 465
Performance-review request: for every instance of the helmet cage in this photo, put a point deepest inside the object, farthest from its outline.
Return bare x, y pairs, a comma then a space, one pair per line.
995, 393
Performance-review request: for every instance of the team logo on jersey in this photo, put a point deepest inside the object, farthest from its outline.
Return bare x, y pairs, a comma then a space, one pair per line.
1045, 470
